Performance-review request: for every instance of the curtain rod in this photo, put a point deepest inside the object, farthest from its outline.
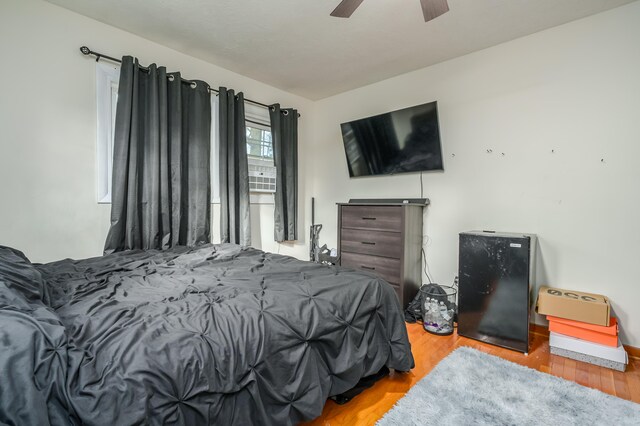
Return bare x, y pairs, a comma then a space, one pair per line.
86, 51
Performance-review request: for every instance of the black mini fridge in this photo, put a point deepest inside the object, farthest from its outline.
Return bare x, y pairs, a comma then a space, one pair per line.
495, 277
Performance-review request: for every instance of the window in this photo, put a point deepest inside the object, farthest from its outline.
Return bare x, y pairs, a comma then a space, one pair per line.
107, 77
262, 170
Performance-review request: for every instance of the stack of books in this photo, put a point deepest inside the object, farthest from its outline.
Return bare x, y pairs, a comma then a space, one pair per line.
581, 327
595, 344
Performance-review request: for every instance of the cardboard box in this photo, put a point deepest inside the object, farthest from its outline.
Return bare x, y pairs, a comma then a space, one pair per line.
575, 305
593, 353
607, 336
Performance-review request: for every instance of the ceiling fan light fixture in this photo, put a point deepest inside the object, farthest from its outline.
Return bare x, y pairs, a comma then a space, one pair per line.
346, 8
431, 9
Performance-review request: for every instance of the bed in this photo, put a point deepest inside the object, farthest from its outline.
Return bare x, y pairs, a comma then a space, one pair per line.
218, 334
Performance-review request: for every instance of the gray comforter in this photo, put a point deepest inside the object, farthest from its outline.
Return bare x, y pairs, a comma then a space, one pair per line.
217, 334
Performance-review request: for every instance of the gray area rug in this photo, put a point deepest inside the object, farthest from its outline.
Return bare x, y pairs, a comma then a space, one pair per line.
469, 387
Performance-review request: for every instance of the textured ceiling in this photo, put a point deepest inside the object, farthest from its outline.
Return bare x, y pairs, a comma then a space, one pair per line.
296, 46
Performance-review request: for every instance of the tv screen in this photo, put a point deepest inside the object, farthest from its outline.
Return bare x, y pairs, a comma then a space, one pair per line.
407, 140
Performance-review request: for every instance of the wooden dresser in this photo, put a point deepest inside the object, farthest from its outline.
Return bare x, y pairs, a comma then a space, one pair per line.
385, 239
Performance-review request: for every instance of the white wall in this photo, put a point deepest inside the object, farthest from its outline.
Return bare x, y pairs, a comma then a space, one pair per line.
563, 106
48, 128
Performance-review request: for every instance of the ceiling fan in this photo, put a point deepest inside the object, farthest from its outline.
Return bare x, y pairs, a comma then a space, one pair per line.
430, 8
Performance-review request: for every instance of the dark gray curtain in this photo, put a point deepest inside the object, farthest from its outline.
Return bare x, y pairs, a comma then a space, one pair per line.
284, 133
235, 224
160, 195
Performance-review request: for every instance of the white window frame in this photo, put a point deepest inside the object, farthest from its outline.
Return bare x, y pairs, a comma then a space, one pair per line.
258, 114
107, 78
261, 165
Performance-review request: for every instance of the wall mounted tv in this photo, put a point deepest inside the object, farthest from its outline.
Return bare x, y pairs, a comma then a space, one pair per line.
402, 141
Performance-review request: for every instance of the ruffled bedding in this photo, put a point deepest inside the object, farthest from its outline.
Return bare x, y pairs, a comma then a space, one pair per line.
218, 334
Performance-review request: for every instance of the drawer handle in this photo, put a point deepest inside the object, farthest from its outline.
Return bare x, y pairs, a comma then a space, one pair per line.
368, 243
368, 218
368, 267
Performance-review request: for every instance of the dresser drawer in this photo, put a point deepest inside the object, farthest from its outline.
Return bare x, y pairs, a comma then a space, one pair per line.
377, 243
387, 269
388, 218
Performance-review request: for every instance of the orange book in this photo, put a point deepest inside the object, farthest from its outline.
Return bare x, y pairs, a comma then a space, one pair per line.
581, 330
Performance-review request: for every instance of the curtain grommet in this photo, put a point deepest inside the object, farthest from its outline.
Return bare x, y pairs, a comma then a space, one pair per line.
171, 77
193, 84
285, 112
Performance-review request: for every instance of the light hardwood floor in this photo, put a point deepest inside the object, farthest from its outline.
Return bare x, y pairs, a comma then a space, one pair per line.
428, 350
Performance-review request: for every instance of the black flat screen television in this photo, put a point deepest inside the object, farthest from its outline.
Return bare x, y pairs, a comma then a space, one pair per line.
402, 141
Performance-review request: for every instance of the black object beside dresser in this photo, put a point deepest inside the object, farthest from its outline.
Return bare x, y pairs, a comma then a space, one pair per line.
384, 237
496, 271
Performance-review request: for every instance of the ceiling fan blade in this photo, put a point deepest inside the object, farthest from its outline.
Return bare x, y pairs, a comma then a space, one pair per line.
346, 8
433, 8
